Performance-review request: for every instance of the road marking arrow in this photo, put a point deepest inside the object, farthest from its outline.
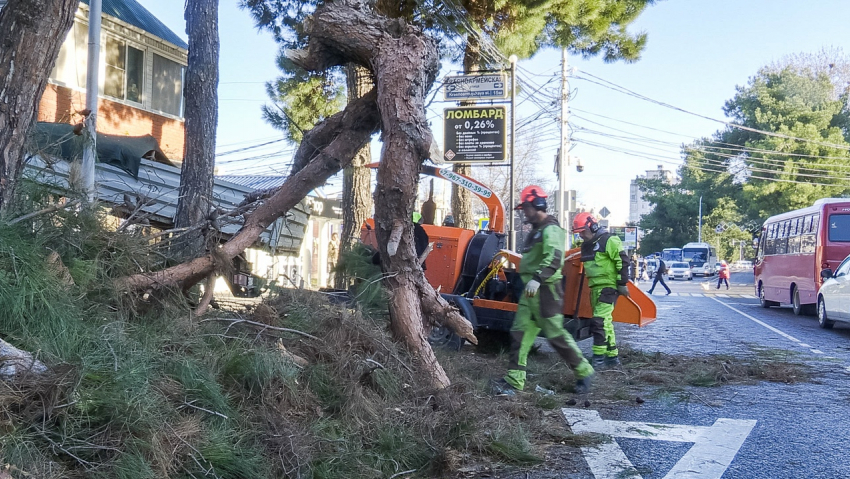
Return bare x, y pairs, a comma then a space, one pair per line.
714, 446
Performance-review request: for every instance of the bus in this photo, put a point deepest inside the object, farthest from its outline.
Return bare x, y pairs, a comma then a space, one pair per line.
671, 254
701, 257
795, 247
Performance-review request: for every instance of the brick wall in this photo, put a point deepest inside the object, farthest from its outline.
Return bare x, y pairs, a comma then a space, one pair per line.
59, 105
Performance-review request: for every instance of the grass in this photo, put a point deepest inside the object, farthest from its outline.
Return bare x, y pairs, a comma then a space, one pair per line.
139, 389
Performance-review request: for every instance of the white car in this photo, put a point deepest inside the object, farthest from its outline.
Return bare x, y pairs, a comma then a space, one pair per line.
834, 295
742, 266
679, 271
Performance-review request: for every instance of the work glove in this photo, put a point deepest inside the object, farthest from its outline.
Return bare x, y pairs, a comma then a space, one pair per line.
531, 288
623, 290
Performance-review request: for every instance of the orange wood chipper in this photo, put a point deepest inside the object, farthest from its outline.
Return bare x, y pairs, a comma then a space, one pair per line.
475, 272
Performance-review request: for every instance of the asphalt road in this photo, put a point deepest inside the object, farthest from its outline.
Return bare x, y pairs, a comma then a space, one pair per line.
767, 430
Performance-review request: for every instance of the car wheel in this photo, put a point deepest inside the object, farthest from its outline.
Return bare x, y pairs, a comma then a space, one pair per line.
690, 278
823, 321
764, 302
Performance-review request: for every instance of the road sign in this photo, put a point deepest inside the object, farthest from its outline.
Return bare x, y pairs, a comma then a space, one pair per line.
630, 241
604, 212
474, 134
476, 87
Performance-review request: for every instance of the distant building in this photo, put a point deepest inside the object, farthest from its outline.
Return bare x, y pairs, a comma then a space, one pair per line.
638, 206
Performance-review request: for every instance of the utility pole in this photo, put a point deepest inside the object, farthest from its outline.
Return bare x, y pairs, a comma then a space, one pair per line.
699, 225
511, 231
92, 83
564, 157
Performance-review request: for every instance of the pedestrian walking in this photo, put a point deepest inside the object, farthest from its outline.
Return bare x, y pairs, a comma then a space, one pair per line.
723, 275
606, 266
659, 277
541, 305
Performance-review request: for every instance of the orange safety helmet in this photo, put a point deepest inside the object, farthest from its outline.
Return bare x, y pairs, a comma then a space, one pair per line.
533, 194
584, 221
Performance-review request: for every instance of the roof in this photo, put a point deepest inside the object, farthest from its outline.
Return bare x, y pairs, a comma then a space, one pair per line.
135, 14
255, 182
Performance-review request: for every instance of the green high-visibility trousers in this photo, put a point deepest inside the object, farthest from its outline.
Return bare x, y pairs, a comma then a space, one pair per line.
528, 323
602, 324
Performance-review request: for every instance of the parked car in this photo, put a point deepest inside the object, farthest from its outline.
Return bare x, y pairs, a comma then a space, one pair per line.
679, 270
742, 266
834, 295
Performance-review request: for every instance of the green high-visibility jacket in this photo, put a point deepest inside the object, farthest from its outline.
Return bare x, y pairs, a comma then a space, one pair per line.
543, 253
606, 264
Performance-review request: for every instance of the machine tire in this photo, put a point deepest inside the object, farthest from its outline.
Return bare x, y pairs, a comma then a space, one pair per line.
442, 336
764, 302
823, 320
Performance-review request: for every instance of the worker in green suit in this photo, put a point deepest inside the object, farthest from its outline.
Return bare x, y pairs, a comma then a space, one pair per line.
541, 304
606, 266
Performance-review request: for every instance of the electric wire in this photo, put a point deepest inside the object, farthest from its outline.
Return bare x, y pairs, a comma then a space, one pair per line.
613, 86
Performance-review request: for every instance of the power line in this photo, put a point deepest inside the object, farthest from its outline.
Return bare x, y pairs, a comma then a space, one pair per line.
626, 91
723, 168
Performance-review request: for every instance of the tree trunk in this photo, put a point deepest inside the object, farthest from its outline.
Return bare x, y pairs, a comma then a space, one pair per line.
461, 197
356, 179
405, 65
404, 73
196, 177
31, 34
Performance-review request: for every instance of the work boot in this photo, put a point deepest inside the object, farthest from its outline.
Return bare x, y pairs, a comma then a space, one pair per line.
583, 385
612, 362
500, 387
597, 361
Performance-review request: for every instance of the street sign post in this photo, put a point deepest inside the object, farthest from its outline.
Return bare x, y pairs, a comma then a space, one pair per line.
476, 87
604, 212
474, 134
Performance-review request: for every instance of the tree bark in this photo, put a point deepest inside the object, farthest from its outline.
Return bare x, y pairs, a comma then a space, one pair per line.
356, 179
404, 75
196, 176
31, 34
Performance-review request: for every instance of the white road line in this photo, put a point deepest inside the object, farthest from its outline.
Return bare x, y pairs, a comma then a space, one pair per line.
748, 296
722, 295
713, 451
804, 345
757, 321
698, 295
817, 351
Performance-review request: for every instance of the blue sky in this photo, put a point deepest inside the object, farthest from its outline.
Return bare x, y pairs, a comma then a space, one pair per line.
698, 52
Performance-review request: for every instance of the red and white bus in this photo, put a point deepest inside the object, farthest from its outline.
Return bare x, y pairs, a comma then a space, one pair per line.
795, 247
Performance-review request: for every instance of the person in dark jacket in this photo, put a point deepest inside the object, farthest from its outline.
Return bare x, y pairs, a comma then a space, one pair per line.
659, 277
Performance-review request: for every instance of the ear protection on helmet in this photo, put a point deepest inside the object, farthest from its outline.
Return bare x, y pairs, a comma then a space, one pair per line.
534, 195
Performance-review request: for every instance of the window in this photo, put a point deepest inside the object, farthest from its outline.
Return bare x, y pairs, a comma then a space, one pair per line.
125, 67
808, 240
167, 94
839, 228
70, 66
843, 268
